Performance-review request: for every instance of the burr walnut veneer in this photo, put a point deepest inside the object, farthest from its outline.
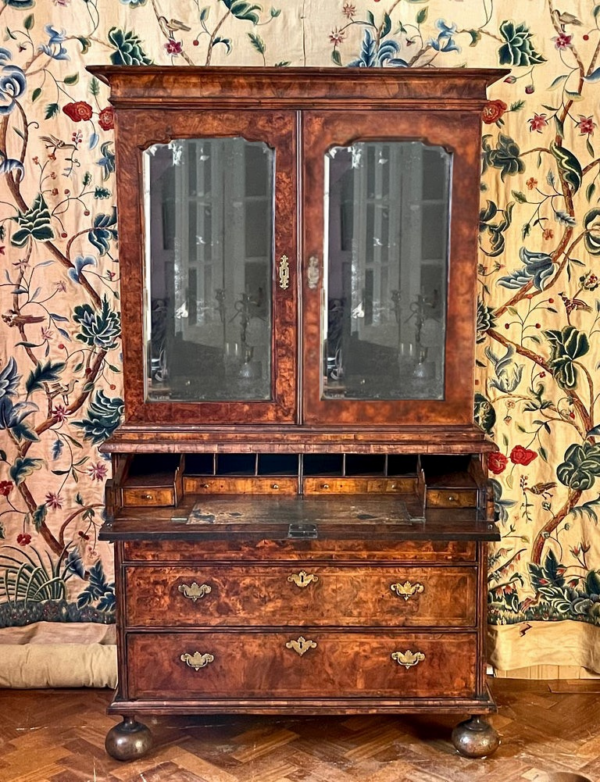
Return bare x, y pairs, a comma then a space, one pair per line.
299, 502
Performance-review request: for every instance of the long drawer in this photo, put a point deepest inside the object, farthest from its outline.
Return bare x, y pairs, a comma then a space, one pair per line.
300, 594
314, 664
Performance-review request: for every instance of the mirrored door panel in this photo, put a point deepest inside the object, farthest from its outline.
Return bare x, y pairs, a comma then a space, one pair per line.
385, 269
383, 242
209, 256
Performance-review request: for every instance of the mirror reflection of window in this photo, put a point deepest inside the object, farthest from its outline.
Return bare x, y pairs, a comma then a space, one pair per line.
386, 267
209, 256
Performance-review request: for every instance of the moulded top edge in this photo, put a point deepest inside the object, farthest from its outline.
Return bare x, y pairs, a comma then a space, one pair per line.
143, 82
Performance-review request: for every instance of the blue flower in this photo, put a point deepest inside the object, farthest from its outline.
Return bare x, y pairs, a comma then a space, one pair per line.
80, 264
13, 83
445, 42
55, 39
538, 267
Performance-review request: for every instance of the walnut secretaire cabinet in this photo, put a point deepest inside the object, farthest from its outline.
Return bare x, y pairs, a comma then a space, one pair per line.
299, 500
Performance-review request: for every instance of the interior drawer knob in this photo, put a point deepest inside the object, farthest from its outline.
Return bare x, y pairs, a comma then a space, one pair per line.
194, 591
197, 660
303, 579
324, 485
408, 659
407, 590
147, 496
301, 645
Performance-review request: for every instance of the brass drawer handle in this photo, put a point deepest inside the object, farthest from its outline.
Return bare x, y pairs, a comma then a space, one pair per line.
407, 589
195, 592
147, 496
197, 660
408, 659
301, 646
303, 579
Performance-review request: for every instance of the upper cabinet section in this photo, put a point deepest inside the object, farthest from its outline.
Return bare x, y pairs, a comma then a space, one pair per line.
298, 245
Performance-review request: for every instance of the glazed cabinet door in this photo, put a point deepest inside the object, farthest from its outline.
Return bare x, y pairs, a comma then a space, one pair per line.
391, 201
207, 206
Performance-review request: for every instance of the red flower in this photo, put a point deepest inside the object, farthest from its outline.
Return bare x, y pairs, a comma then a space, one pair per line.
520, 455
531, 183
548, 233
80, 110
349, 10
5, 488
537, 122
174, 47
586, 125
54, 500
106, 118
493, 111
497, 462
24, 540
337, 36
562, 41
98, 471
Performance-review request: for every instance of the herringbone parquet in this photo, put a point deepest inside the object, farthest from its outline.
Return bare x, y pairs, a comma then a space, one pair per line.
59, 736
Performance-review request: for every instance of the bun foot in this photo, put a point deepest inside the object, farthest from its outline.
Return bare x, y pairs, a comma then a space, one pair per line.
475, 738
128, 741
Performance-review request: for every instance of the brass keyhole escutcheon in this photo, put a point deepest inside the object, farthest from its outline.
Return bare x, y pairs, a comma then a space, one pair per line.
301, 645
407, 590
303, 579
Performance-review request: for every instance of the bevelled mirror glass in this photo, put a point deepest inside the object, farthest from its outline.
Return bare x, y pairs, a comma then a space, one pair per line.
209, 257
386, 267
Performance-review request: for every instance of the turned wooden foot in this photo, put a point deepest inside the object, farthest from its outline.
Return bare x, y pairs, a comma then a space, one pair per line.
128, 741
475, 738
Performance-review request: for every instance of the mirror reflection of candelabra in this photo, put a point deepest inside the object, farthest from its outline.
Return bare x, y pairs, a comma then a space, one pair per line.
421, 311
246, 308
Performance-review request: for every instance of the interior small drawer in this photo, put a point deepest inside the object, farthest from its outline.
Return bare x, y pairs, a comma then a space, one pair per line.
149, 495
324, 485
300, 594
451, 498
312, 663
227, 485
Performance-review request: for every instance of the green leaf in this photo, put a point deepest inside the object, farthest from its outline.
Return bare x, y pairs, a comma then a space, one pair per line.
387, 25
43, 373
72, 79
590, 190
85, 44
205, 13
243, 10
257, 43
52, 110
275, 12
519, 196
558, 81
28, 22
94, 87
422, 15
475, 37
336, 57
102, 192
36, 94
39, 516
568, 165
370, 18
517, 105
23, 467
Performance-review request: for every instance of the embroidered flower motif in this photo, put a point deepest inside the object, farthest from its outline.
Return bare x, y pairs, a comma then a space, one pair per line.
586, 125
24, 539
493, 111
55, 501
537, 122
174, 47
521, 455
349, 10
98, 471
5, 488
337, 36
497, 462
106, 119
562, 41
531, 183
78, 111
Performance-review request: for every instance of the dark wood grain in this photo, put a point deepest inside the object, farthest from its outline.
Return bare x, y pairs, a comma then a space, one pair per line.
265, 595
258, 665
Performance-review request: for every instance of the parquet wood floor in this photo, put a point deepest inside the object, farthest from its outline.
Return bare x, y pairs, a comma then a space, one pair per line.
58, 736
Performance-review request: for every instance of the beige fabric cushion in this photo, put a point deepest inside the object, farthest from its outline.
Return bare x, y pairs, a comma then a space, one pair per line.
49, 654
